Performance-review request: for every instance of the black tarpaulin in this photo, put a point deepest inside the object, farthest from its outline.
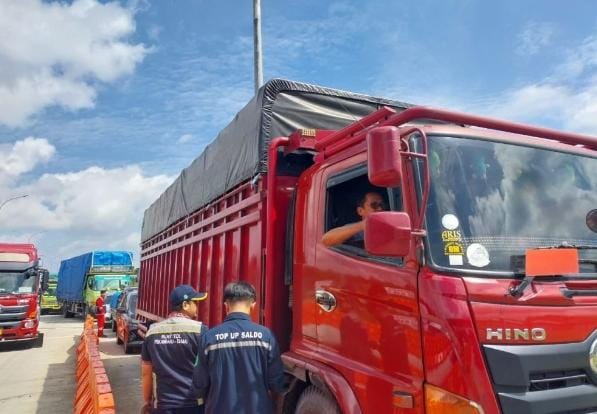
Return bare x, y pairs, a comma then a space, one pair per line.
239, 152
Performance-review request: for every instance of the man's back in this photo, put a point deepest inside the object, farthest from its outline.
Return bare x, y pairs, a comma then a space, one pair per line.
241, 364
171, 346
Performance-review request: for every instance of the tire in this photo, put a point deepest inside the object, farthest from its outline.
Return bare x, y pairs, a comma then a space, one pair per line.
113, 325
65, 311
316, 401
128, 349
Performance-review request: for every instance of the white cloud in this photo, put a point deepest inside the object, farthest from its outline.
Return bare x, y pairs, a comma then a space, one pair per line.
54, 53
534, 36
185, 139
70, 213
23, 156
567, 98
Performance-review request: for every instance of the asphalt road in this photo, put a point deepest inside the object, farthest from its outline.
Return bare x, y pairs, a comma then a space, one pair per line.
42, 380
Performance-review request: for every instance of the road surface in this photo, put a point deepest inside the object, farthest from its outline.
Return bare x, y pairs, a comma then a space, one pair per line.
42, 380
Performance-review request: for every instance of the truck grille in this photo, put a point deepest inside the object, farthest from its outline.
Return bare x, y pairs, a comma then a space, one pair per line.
13, 313
543, 379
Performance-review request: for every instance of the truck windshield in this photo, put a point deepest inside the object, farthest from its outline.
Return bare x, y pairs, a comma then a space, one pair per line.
491, 201
51, 291
16, 282
111, 283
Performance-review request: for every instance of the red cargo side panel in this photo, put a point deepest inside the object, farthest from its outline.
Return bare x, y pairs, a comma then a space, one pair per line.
220, 243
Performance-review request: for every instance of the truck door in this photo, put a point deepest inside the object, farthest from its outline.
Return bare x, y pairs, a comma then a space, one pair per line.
367, 323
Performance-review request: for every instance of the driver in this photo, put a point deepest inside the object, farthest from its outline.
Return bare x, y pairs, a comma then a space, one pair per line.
352, 233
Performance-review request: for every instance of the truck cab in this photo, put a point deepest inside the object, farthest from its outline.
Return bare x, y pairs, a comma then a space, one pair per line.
48, 301
20, 281
474, 292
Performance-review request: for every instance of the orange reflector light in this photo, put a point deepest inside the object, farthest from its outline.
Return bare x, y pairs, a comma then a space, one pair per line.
439, 401
550, 262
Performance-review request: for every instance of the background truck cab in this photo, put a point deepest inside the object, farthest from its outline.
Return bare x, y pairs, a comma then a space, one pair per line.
21, 281
48, 301
474, 292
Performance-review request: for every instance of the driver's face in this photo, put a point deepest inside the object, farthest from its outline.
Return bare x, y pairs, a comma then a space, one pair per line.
373, 203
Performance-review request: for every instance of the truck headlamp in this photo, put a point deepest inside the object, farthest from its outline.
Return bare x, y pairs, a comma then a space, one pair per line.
593, 357
29, 324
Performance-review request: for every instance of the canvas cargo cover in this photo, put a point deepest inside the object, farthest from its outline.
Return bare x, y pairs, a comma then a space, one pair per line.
71, 276
239, 152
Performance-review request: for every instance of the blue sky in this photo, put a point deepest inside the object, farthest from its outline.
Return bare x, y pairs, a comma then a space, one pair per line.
103, 103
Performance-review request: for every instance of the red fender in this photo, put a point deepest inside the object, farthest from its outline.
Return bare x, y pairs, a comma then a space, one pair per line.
323, 375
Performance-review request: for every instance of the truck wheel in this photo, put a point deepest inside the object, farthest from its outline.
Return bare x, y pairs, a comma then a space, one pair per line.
66, 312
315, 401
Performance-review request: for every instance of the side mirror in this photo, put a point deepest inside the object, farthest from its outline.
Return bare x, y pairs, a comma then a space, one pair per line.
388, 233
383, 156
592, 220
45, 279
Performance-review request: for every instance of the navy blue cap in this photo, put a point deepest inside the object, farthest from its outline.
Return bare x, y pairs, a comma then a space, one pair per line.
183, 293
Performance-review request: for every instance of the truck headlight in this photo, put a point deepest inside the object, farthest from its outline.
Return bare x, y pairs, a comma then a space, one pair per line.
593, 357
29, 324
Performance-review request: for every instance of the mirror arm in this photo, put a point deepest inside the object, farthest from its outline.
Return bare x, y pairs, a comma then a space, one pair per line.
418, 227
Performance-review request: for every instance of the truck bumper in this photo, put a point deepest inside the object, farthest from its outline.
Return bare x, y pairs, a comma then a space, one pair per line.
51, 308
19, 334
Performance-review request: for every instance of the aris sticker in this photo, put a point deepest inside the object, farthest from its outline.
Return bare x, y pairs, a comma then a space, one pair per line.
451, 236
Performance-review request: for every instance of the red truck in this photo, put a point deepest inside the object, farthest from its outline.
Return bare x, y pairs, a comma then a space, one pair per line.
474, 292
21, 284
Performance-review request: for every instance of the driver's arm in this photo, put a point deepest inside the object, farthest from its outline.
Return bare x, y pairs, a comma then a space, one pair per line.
339, 235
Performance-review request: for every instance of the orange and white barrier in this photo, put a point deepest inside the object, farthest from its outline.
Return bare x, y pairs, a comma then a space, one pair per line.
93, 394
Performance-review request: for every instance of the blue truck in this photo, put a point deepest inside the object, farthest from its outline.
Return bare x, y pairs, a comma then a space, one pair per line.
82, 278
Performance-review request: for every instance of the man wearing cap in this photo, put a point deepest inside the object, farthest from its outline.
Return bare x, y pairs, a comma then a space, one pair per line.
239, 365
169, 354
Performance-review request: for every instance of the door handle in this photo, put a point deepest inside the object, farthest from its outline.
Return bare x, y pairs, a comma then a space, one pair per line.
325, 300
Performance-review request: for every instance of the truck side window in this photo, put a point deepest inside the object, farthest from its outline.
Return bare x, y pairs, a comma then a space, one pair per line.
350, 196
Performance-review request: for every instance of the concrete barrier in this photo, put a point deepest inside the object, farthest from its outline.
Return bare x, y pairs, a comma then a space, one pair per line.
93, 393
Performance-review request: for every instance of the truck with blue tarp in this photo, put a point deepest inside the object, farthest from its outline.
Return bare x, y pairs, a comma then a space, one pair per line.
82, 278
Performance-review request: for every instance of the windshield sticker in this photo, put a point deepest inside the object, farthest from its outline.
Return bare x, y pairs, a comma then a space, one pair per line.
477, 255
453, 249
450, 222
25, 289
455, 260
451, 236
